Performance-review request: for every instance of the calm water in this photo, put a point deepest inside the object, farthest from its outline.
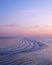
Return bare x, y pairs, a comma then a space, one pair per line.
25, 51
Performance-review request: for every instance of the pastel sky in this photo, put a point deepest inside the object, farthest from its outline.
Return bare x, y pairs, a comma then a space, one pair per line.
29, 17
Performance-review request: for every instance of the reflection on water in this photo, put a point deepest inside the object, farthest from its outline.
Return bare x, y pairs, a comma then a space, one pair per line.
24, 51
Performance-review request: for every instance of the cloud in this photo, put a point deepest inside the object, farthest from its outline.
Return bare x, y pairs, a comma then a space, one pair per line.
34, 11
41, 27
8, 25
11, 25
27, 12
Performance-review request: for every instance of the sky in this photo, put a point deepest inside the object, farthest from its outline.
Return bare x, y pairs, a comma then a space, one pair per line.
28, 17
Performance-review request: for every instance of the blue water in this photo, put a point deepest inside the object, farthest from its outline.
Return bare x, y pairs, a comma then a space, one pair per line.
25, 51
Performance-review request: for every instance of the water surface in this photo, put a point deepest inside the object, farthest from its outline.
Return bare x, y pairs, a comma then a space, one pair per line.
25, 51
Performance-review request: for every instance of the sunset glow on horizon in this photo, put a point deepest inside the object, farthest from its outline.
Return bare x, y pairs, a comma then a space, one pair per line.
29, 31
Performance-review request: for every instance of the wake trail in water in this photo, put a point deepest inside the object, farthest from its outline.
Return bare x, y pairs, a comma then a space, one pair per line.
14, 55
